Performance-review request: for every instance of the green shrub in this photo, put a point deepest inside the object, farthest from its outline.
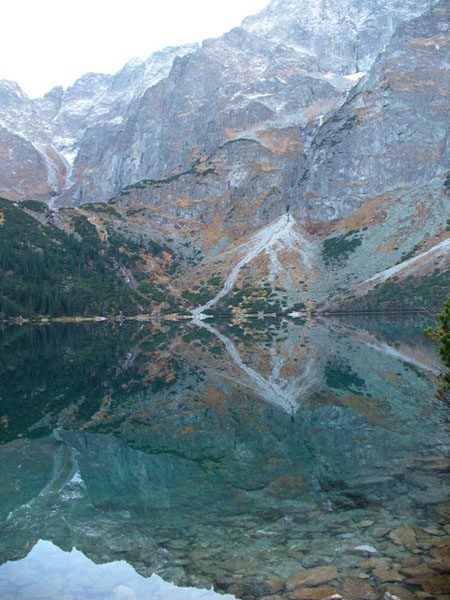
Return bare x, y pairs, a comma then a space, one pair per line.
441, 334
336, 249
34, 205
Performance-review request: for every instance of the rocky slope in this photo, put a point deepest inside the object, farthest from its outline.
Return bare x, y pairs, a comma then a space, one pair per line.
46, 133
392, 130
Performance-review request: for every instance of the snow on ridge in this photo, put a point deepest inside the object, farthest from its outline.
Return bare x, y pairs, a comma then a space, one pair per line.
355, 76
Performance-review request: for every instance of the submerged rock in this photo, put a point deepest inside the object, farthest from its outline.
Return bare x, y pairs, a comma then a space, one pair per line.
396, 590
357, 589
365, 548
439, 584
417, 572
433, 531
404, 536
384, 575
375, 563
311, 577
366, 523
440, 565
411, 561
323, 592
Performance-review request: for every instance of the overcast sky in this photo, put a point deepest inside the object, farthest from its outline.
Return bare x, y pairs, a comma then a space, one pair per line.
44, 43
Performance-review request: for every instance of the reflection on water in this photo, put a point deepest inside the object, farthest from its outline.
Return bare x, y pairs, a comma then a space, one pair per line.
231, 455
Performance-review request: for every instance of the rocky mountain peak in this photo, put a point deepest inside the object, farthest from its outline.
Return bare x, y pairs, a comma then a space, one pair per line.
345, 36
11, 93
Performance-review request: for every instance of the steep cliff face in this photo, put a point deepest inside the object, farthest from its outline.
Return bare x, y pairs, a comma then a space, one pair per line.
29, 165
236, 86
392, 131
240, 84
88, 116
344, 37
54, 125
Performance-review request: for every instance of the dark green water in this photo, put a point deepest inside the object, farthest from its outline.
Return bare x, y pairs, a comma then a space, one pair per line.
222, 456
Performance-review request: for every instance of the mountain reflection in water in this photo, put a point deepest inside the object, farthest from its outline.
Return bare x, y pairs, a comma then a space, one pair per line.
229, 455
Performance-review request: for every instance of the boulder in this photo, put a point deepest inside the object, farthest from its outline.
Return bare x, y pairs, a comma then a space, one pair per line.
311, 577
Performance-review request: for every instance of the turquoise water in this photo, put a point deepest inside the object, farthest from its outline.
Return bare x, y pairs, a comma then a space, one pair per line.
227, 456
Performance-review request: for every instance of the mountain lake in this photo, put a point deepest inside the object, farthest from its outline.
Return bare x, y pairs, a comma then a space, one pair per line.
283, 458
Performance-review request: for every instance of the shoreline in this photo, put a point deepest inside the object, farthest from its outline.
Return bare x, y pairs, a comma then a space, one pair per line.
190, 317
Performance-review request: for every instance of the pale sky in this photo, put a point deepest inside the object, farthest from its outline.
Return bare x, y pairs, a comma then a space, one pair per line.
44, 43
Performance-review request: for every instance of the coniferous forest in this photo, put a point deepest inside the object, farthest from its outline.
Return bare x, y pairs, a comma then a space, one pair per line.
45, 270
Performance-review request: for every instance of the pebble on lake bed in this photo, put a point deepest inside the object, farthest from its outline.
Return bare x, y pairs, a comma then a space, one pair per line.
437, 585
366, 523
375, 563
385, 575
433, 531
366, 548
411, 561
394, 590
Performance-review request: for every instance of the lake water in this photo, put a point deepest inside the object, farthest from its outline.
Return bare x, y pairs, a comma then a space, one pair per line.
268, 458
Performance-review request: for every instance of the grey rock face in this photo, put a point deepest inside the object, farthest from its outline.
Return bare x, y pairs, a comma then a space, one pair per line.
18, 112
96, 99
28, 163
229, 87
29, 175
345, 36
290, 57
392, 131
55, 124
243, 184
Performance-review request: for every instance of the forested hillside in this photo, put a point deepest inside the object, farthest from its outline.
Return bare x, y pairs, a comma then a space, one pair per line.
46, 270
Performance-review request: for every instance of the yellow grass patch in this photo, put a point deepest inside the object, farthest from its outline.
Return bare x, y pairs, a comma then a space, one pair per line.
371, 212
284, 141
